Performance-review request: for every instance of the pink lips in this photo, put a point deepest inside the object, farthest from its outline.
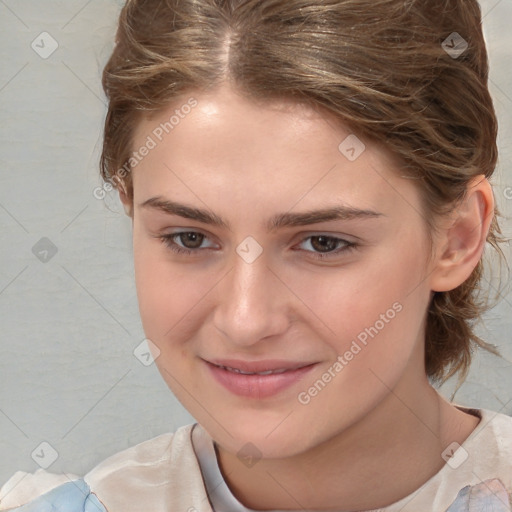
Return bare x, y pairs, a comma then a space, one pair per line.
278, 375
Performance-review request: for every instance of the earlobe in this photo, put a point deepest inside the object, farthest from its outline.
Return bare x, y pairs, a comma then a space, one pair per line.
123, 196
464, 240
127, 209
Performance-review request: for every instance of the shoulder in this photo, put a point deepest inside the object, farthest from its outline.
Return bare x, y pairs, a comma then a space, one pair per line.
477, 475
162, 470
498, 419
488, 450
483, 470
70, 496
131, 471
489, 495
143, 457
494, 432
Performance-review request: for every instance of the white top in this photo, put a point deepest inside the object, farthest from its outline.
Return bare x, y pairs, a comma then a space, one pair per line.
178, 472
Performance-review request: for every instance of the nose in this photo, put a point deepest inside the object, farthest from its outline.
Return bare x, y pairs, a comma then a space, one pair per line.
252, 303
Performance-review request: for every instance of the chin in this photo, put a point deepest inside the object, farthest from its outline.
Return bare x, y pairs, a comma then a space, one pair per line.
268, 436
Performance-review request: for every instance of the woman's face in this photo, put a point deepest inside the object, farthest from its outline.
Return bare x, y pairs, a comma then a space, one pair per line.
309, 261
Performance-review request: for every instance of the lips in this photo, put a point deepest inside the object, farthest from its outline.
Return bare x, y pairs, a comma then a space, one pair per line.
266, 372
258, 379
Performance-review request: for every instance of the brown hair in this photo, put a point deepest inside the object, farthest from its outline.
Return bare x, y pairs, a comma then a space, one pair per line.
385, 68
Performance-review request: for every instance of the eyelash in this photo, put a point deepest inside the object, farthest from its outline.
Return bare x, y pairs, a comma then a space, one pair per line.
168, 241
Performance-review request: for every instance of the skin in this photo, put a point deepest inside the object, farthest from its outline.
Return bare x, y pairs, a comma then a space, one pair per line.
378, 420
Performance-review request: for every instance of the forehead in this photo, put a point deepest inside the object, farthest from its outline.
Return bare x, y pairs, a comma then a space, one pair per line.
226, 113
220, 142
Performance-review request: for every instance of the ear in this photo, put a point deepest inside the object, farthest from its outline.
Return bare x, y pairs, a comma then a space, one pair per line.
462, 242
125, 200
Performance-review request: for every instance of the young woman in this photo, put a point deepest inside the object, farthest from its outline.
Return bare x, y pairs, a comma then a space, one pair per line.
308, 184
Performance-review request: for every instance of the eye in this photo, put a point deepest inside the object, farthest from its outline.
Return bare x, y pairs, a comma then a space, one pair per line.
191, 238
329, 246
324, 246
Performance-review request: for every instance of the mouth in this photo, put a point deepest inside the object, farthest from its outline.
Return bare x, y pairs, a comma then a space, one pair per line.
259, 379
266, 372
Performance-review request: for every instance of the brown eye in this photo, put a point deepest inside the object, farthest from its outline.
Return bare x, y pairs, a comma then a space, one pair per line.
191, 239
185, 242
324, 243
325, 246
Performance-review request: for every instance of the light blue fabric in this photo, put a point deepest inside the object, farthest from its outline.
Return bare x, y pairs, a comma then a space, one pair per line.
488, 496
74, 496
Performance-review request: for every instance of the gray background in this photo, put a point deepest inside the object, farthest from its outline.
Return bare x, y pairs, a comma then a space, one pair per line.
70, 324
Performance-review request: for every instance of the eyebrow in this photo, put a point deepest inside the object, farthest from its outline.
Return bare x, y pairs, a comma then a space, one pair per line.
276, 222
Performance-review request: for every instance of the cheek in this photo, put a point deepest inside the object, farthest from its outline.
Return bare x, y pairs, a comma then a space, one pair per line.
168, 297
350, 298
166, 293
371, 312
377, 331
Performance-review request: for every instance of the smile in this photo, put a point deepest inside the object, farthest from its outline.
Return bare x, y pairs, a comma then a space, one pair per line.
268, 372
258, 380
